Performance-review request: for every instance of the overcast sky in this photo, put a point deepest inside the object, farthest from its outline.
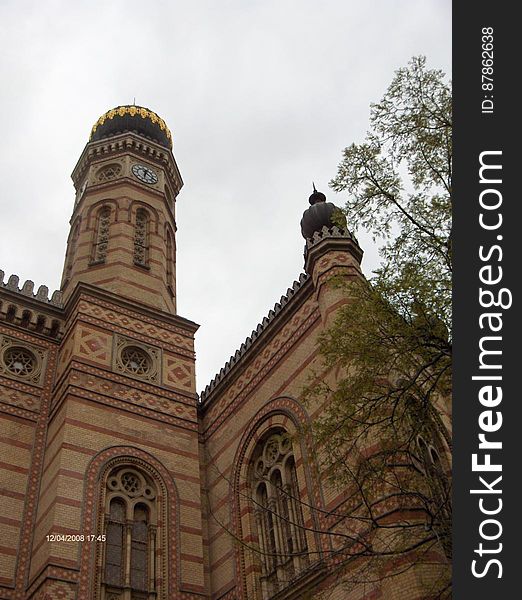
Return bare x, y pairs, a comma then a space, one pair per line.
261, 97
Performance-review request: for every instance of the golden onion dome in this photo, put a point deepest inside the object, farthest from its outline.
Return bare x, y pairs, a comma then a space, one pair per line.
132, 118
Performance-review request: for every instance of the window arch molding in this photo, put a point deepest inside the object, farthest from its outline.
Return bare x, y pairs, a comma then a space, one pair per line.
142, 233
153, 214
96, 495
170, 258
93, 210
284, 413
102, 216
72, 247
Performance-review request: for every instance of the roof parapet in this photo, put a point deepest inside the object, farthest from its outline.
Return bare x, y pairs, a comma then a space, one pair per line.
256, 333
27, 289
329, 232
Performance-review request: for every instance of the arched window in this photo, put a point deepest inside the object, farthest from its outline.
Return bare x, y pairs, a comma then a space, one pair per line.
141, 238
115, 542
129, 570
101, 238
170, 262
278, 512
71, 252
430, 465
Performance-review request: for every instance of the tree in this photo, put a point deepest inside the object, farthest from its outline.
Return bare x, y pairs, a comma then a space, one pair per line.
384, 430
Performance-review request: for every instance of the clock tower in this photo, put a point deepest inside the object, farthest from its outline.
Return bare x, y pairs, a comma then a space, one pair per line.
123, 226
121, 457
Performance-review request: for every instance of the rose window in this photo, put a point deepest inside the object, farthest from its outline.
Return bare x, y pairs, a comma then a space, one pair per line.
20, 361
109, 172
130, 483
135, 360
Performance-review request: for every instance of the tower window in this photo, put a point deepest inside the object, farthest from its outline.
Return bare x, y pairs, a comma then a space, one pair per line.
108, 172
101, 242
135, 361
170, 262
71, 251
19, 361
141, 238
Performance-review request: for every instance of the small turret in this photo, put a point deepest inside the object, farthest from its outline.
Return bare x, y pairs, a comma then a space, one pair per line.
330, 251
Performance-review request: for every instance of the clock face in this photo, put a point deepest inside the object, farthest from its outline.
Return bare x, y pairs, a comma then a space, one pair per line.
144, 174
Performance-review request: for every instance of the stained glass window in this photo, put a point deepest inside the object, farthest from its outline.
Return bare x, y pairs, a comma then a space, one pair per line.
101, 242
130, 542
141, 238
278, 513
114, 543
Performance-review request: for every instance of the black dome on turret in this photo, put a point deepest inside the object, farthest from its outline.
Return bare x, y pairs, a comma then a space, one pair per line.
132, 118
318, 215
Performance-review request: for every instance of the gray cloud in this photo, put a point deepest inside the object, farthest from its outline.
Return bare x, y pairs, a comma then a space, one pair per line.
261, 98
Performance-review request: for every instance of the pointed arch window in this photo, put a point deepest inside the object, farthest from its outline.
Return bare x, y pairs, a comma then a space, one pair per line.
141, 238
101, 238
278, 513
129, 564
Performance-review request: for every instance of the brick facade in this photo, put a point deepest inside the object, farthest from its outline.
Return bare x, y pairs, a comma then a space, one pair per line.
110, 384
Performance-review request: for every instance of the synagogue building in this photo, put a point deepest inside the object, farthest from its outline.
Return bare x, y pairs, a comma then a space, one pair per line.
117, 480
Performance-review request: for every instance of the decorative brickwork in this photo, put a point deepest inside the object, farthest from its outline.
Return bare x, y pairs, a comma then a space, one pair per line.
55, 590
141, 238
267, 358
102, 434
280, 414
101, 466
178, 373
94, 345
101, 239
124, 320
20, 395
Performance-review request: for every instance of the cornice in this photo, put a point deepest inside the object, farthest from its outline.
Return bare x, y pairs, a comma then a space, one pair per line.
276, 319
125, 143
27, 292
83, 289
330, 238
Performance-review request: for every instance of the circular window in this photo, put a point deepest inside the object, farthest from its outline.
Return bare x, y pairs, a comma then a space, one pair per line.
20, 361
271, 451
113, 483
135, 360
148, 492
130, 483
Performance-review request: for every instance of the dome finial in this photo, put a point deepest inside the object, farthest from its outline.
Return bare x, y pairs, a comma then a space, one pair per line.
316, 196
